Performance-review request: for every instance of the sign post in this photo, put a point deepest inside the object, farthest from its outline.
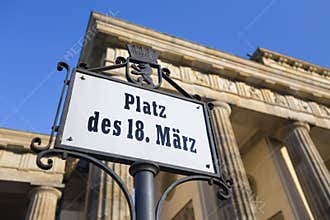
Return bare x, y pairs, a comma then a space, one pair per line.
133, 123
144, 174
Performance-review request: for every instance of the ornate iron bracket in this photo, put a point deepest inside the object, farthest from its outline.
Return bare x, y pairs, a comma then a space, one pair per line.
140, 66
142, 61
36, 142
45, 151
223, 193
64, 154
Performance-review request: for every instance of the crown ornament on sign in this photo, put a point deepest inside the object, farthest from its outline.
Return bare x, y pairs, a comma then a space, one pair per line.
143, 54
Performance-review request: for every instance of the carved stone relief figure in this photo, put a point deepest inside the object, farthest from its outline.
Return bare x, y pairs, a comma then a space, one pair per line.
315, 108
227, 85
255, 93
324, 110
200, 78
291, 102
303, 106
279, 100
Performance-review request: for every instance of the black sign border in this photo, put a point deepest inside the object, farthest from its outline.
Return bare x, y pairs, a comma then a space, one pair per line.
129, 160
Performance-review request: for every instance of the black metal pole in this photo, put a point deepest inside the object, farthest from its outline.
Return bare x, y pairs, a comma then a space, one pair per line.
144, 173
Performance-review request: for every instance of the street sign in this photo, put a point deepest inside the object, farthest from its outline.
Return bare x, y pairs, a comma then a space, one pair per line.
123, 122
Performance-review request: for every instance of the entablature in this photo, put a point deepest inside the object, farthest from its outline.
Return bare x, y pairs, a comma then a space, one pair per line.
18, 163
215, 87
174, 50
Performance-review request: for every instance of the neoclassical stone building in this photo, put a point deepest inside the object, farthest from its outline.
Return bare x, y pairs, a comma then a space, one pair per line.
271, 121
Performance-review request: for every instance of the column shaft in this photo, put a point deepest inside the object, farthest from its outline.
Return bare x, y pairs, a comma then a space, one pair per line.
310, 168
105, 199
43, 203
242, 203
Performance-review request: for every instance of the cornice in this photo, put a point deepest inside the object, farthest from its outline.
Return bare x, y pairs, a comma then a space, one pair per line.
206, 59
262, 54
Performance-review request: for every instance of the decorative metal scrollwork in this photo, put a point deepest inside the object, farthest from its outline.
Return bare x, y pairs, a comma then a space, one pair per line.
140, 67
141, 62
44, 152
120, 60
223, 192
36, 142
65, 153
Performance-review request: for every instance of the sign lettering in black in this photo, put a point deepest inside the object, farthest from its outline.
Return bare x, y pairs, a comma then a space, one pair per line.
163, 135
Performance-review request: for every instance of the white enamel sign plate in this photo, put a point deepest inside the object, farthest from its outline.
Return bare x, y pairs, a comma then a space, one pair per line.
115, 119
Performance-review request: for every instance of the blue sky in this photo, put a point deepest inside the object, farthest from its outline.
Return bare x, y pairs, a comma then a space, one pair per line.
35, 35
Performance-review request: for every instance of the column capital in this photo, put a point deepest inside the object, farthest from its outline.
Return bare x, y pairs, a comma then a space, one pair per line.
224, 105
46, 189
43, 203
286, 130
297, 124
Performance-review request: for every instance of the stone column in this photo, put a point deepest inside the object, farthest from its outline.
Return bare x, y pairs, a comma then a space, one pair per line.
43, 203
242, 205
310, 168
105, 200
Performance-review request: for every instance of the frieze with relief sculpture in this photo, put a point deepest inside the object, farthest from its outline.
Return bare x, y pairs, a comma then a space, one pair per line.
221, 84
